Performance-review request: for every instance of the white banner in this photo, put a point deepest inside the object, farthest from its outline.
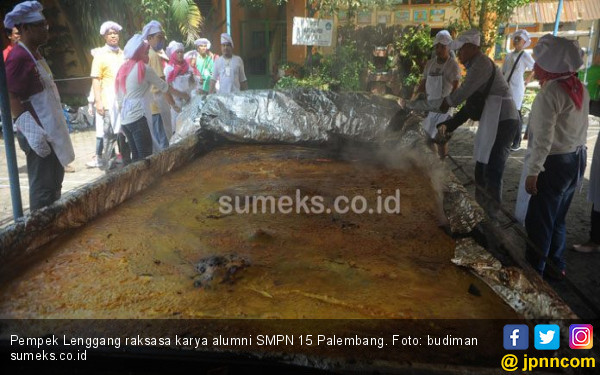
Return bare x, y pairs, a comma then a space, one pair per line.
312, 32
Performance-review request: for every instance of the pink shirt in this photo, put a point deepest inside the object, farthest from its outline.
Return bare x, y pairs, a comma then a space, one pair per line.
7, 51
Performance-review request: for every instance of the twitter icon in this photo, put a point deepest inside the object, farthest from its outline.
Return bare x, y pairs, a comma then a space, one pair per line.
546, 337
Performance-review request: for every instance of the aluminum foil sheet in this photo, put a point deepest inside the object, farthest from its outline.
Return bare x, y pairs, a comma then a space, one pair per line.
294, 116
462, 211
527, 297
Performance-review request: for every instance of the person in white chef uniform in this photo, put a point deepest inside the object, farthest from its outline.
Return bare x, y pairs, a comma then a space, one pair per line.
497, 116
440, 79
516, 63
35, 103
558, 127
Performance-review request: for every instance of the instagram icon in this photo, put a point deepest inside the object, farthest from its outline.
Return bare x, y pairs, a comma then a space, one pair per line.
581, 336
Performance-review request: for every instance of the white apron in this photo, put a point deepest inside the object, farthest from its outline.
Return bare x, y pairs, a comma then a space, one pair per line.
523, 196
46, 105
180, 83
99, 125
517, 83
115, 116
434, 87
487, 129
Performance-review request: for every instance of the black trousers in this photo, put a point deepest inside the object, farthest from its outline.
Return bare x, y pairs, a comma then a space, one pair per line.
519, 134
45, 176
595, 230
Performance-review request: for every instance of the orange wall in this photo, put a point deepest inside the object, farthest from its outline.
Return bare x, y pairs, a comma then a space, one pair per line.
237, 14
295, 8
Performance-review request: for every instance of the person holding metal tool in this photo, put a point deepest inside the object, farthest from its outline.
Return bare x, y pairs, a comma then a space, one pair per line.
440, 78
488, 100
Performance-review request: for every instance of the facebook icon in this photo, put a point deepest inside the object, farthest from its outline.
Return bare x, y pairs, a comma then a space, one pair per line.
516, 337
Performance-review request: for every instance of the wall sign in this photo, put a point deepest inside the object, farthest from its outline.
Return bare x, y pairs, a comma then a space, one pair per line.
312, 32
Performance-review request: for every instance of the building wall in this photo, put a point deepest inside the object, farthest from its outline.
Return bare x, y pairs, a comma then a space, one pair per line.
295, 8
434, 15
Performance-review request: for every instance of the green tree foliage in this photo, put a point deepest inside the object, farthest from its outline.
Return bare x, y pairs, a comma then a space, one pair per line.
329, 7
323, 7
258, 4
413, 49
180, 18
87, 16
340, 71
487, 16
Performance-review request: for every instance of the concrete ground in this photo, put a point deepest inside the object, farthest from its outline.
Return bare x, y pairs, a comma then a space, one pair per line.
580, 290
84, 143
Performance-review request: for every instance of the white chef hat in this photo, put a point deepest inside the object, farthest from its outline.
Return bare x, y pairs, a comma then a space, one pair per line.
174, 46
151, 27
523, 34
442, 37
226, 38
133, 45
470, 36
25, 12
108, 25
557, 55
202, 42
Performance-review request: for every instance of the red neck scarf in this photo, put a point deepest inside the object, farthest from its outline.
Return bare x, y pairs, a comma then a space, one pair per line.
572, 85
140, 58
179, 67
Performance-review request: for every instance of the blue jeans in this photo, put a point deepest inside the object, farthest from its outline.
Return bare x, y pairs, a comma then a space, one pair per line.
546, 214
139, 138
489, 176
158, 131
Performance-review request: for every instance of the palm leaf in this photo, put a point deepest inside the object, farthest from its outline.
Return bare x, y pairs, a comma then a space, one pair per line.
186, 15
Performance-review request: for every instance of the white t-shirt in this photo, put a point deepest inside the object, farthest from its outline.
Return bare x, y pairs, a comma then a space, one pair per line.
229, 73
132, 103
449, 70
517, 82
